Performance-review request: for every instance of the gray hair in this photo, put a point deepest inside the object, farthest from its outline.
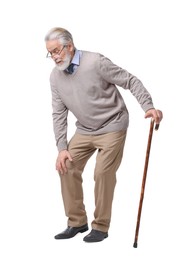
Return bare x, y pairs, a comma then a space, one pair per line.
60, 34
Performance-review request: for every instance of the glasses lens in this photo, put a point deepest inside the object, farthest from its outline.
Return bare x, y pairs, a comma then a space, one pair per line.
56, 52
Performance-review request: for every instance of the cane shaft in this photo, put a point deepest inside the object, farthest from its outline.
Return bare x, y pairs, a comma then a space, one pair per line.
143, 182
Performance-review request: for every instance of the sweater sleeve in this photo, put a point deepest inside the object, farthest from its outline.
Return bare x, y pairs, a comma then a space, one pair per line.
59, 114
120, 77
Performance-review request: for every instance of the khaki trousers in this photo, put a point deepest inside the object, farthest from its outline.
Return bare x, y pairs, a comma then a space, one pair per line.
110, 151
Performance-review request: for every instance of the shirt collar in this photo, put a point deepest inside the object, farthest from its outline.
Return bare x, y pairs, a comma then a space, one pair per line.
76, 57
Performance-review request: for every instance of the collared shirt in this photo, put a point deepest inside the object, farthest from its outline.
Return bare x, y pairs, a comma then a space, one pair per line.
75, 60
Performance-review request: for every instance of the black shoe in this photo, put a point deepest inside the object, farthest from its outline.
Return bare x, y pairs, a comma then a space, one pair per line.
95, 236
71, 232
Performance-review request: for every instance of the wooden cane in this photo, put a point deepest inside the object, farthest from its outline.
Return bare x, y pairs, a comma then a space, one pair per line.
144, 180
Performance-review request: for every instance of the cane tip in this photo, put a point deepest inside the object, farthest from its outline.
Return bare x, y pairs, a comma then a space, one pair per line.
135, 245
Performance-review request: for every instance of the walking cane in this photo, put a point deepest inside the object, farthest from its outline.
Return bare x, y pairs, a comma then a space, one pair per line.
144, 180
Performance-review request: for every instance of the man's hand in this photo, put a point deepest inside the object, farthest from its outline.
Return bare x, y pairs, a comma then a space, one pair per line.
61, 161
155, 114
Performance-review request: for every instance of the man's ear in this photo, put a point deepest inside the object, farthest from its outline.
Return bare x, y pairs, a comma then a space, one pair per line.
70, 47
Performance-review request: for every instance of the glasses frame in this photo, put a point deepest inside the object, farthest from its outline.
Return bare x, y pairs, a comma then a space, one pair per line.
52, 54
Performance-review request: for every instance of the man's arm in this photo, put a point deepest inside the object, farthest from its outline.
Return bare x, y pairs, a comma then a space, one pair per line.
118, 76
60, 113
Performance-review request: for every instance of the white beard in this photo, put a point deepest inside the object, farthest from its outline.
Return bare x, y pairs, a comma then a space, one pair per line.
65, 64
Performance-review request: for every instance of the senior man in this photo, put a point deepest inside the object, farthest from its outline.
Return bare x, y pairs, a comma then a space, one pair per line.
85, 83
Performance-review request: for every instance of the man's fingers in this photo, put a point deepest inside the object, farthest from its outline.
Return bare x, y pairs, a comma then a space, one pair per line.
158, 116
63, 165
59, 167
68, 156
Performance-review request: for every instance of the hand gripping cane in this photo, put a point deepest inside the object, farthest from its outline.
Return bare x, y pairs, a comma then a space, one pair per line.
144, 180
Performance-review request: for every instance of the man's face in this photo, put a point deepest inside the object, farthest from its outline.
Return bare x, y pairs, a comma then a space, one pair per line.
61, 54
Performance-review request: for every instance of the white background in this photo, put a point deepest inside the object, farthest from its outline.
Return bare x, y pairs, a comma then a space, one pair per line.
146, 38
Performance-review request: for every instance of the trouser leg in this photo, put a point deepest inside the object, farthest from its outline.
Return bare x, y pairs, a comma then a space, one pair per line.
110, 151
81, 150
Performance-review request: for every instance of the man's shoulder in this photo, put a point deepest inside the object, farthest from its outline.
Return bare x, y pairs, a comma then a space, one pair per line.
96, 55
92, 58
91, 54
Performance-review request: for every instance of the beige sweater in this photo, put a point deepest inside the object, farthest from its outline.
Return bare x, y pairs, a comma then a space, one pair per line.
90, 93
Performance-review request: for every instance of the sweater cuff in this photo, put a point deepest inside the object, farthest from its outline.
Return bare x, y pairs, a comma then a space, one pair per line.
147, 107
62, 145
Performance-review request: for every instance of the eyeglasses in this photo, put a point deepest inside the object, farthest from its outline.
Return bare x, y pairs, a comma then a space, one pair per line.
55, 52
